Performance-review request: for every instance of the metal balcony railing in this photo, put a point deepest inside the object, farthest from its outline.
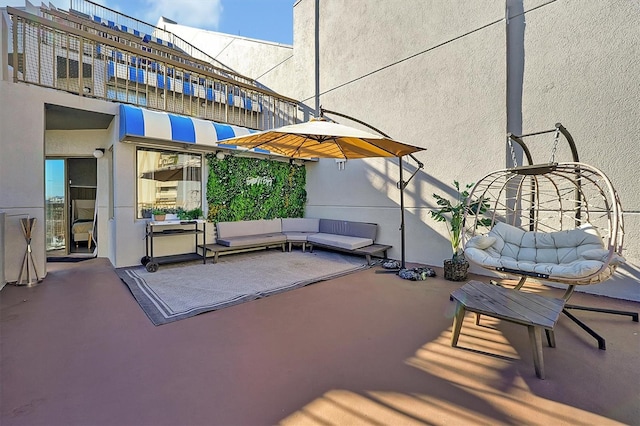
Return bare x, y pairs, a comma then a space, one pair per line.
114, 19
67, 52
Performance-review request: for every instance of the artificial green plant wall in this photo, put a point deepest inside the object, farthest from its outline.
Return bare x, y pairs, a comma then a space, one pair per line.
249, 188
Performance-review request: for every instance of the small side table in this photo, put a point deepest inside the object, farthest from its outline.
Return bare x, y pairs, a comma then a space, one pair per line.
535, 312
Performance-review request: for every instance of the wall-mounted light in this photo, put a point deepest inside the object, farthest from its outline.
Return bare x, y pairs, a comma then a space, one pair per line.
86, 90
203, 105
161, 95
98, 152
220, 155
296, 162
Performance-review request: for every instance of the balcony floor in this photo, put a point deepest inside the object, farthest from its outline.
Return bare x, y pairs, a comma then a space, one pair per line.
366, 348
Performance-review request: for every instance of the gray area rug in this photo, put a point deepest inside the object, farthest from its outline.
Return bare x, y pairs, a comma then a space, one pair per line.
181, 291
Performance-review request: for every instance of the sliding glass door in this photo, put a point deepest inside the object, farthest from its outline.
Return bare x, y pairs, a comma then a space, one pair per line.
55, 207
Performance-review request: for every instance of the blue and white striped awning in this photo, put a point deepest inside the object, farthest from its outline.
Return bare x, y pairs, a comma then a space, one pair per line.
138, 122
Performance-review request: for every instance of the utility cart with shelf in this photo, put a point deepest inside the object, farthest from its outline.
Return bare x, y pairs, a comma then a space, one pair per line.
156, 229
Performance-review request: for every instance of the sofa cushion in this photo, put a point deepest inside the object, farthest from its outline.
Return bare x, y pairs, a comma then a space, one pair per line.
340, 241
252, 240
297, 236
300, 224
248, 227
352, 229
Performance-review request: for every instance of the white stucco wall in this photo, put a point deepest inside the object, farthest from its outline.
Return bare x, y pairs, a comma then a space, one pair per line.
581, 68
22, 159
403, 80
578, 63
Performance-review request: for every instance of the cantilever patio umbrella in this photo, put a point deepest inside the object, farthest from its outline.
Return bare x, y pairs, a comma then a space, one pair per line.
321, 138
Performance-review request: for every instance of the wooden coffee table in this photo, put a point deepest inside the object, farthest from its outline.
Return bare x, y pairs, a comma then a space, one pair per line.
535, 312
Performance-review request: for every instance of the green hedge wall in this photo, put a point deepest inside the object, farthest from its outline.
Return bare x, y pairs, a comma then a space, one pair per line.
249, 188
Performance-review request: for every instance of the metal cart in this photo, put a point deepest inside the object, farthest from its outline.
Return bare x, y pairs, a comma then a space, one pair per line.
172, 228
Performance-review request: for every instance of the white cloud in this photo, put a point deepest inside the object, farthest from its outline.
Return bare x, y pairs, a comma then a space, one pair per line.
194, 13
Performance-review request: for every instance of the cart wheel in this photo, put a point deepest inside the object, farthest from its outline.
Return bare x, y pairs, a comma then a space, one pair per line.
151, 266
145, 260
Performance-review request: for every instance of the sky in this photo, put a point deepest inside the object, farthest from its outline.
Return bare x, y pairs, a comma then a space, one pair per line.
270, 20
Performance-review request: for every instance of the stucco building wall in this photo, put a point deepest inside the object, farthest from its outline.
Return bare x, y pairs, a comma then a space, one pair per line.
451, 77
581, 67
454, 78
422, 83
25, 144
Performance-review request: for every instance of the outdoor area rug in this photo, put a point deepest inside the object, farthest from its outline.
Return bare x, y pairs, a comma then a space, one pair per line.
181, 291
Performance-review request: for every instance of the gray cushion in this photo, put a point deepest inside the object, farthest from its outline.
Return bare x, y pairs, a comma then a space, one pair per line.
340, 241
353, 229
297, 236
252, 240
248, 227
300, 224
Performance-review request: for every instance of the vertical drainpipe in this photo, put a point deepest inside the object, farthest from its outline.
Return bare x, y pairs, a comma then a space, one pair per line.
515, 56
515, 30
317, 57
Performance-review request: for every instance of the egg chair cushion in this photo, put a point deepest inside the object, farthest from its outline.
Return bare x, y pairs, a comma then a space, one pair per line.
573, 254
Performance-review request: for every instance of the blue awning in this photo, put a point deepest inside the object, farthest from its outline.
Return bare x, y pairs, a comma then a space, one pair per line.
143, 123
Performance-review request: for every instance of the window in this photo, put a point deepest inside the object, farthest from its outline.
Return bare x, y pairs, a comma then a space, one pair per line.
168, 180
123, 95
73, 68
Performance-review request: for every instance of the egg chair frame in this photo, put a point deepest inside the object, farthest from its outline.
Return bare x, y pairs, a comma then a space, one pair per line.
547, 203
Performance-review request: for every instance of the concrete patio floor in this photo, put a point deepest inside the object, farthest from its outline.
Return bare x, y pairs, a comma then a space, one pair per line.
367, 348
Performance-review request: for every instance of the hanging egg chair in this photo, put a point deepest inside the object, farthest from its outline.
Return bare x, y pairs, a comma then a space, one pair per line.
556, 222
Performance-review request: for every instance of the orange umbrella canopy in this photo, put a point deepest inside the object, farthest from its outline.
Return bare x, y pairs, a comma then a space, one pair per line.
321, 138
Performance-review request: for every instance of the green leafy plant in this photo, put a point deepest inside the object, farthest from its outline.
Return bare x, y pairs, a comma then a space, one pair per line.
188, 214
241, 188
158, 211
453, 214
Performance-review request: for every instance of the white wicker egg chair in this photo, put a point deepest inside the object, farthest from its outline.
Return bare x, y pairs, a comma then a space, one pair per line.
556, 222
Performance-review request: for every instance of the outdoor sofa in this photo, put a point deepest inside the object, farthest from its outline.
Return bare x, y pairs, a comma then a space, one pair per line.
346, 236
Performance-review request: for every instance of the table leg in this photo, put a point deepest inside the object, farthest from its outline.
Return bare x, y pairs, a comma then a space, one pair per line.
551, 338
535, 336
457, 323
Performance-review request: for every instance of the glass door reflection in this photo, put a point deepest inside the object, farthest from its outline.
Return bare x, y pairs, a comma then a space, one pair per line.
55, 210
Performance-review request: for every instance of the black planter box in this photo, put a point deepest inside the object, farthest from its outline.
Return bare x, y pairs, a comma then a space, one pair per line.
455, 270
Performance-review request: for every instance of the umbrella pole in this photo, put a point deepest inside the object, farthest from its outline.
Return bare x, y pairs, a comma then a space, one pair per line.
401, 186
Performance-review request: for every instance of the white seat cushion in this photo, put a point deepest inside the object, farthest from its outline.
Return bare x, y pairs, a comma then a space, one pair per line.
573, 254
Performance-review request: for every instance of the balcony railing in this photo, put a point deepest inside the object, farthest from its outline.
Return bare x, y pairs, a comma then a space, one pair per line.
114, 19
72, 53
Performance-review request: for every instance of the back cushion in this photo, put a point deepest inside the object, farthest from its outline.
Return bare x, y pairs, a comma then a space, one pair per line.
299, 224
353, 229
248, 227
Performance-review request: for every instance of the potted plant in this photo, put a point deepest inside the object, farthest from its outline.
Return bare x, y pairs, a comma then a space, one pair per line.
455, 269
189, 214
159, 215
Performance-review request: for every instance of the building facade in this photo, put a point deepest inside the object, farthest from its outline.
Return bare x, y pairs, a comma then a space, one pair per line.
451, 77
